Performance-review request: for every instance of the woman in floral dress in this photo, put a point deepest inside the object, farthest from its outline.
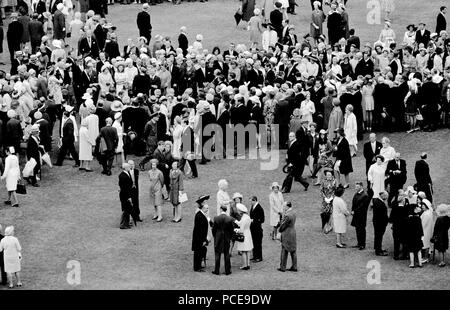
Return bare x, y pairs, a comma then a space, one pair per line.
327, 189
269, 111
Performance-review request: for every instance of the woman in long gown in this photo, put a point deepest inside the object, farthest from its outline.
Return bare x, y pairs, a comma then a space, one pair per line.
86, 145
156, 185
376, 176
76, 26
118, 125
276, 202
177, 132
54, 86
120, 77
351, 129
11, 175
317, 19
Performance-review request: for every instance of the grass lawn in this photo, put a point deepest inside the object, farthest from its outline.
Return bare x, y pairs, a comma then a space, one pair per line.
75, 216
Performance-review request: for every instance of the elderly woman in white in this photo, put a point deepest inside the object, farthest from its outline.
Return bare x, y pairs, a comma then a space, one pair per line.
427, 225
387, 151
11, 175
351, 129
376, 176
276, 202
223, 198
247, 245
340, 214
86, 145
118, 125
307, 108
11, 255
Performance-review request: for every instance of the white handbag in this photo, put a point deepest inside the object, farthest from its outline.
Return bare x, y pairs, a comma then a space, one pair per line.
28, 169
182, 197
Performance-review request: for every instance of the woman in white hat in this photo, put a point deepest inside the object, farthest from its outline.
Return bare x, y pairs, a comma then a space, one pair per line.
58, 52
105, 78
11, 253
118, 125
86, 145
120, 76
244, 227
223, 199
11, 175
276, 202
412, 195
387, 34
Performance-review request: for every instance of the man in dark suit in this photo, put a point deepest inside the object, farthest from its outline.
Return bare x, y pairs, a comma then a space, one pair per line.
352, 40
295, 163
360, 204
398, 218
188, 146
288, 238
291, 71
59, 23
36, 30
134, 173
441, 22
257, 217
222, 231
99, 32
89, 46
423, 178
183, 42
231, 52
380, 221
371, 150
276, 19
143, 23
396, 176
13, 131
68, 139
126, 195
200, 234
154, 80
422, 35
33, 152
2, 265
107, 143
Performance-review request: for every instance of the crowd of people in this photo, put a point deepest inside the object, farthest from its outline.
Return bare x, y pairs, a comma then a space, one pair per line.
154, 99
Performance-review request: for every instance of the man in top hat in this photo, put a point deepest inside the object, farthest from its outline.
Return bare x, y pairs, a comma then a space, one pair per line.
33, 152
143, 23
276, 19
68, 138
200, 234
222, 231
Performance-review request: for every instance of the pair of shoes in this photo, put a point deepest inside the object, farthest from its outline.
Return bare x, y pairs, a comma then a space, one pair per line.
227, 273
35, 185
420, 266
88, 170
81, 169
293, 269
411, 266
362, 248
384, 254
11, 286
19, 284
216, 273
177, 221
108, 173
282, 270
125, 227
258, 260
339, 245
160, 220
203, 162
155, 217
245, 268
306, 187
424, 261
441, 264
16, 205
7, 202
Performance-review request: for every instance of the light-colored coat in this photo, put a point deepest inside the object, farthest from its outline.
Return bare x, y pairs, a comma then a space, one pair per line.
86, 144
427, 226
340, 214
351, 129
223, 198
276, 202
335, 121
12, 172
244, 227
11, 248
376, 174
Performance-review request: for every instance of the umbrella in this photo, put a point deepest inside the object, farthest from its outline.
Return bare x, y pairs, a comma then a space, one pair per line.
238, 16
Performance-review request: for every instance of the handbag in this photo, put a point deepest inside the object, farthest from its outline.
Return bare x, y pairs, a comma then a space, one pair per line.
182, 197
21, 187
419, 116
29, 166
238, 236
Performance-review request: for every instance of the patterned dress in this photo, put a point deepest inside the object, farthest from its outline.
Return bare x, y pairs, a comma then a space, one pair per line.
327, 189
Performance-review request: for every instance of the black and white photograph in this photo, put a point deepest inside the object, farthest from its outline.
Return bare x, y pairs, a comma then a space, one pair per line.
237, 146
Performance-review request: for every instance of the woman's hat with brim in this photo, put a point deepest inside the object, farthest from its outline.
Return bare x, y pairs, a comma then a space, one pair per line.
275, 184
237, 195
323, 131
116, 106
202, 198
413, 27
117, 115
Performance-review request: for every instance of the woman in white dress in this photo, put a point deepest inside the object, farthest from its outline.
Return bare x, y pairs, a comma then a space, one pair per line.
105, 79
120, 77
307, 109
223, 198
409, 39
247, 245
11, 175
340, 214
387, 35
75, 28
427, 226
367, 93
118, 125
376, 176
387, 151
11, 255
351, 129
86, 145
176, 134
276, 202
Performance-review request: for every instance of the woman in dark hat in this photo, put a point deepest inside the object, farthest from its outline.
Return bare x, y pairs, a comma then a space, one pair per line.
343, 164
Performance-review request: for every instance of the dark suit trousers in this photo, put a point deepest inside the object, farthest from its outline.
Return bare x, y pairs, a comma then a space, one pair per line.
199, 255
67, 148
107, 160
191, 164
393, 192
361, 235
398, 242
257, 236
379, 230
226, 256
294, 174
125, 218
36, 170
284, 256
146, 34
135, 200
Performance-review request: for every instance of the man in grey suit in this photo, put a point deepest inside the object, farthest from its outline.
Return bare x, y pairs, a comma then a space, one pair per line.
222, 231
288, 238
